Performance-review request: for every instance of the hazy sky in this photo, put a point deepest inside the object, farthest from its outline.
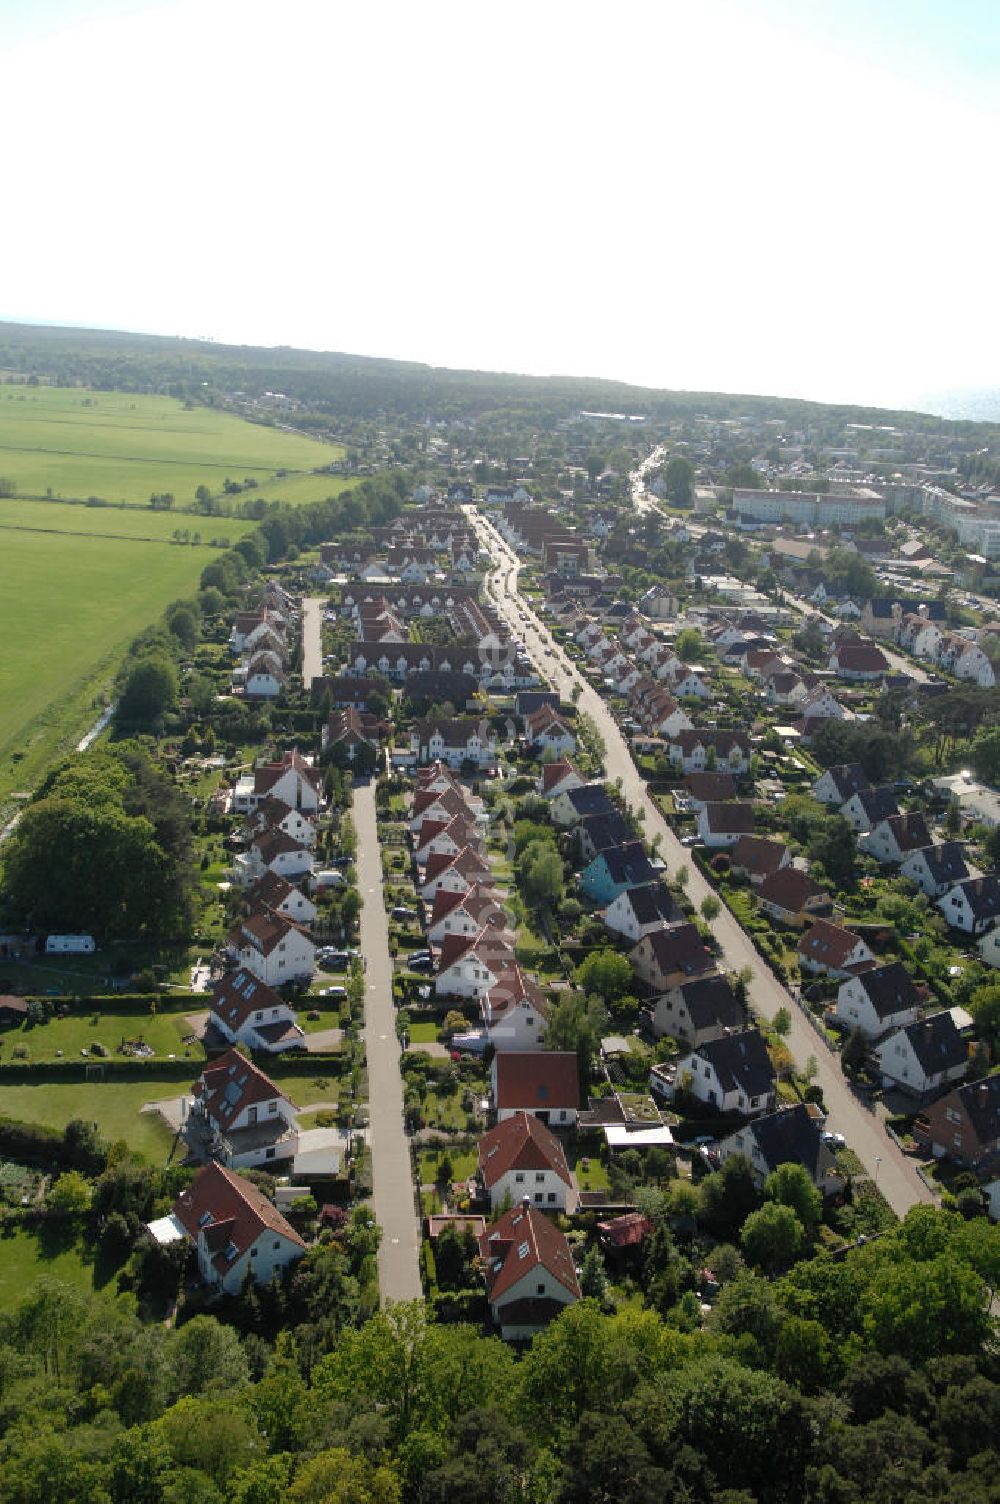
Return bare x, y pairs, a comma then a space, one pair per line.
747, 195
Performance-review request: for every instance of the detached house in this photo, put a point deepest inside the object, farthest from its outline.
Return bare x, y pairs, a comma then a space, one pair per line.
694, 1013
935, 869
455, 874
529, 1271
514, 1012
668, 957
558, 778
273, 948
468, 913
545, 1083
615, 870
469, 965
235, 1229
972, 905
522, 1159
277, 893
548, 731
722, 825
884, 997
236, 1114
248, 1012
859, 660
830, 949
923, 1057
571, 805
964, 1125
709, 788
732, 1074
638, 911
757, 858
865, 809
839, 784
896, 837
789, 1136
791, 896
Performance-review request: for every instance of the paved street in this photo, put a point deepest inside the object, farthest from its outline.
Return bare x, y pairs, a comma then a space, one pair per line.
896, 1175
312, 638
398, 1255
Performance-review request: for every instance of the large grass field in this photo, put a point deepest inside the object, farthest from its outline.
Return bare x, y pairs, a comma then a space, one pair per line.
27, 1256
68, 608
134, 524
112, 1105
164, 1032
74, 443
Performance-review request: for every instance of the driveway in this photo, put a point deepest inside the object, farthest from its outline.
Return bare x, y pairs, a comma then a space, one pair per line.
896, 1176
324, 1039
312, 638
399, 1251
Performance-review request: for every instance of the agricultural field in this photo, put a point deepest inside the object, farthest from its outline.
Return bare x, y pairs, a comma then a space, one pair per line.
68, 609
131, 523
68, 442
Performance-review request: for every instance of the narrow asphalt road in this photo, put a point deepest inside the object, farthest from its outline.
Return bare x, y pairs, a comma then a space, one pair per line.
399, 1251
312, 638
896, 1176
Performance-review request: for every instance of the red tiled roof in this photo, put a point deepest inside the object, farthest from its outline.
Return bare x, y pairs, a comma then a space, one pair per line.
230, 1213
228, 1085
240, 995
520, 1143
521, 1241
536, 1079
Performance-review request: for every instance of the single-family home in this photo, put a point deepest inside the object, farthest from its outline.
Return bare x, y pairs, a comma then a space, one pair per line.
613, 871
831, 949
291, 779
865, 809
973, 905
838, 784
237, 1115
445, 838
236, 1230
275, 815
696, 1012
543, 1082
275, 851
558, 777
273, 948
596, 833
548, 731
881, 998
514, 1012
859, 661
924, 1056
529, 1272
469, 965
638, 911
521, 1158
722, 825
790, 1136
756, 857
896, 837
792, 897
964, 1124
701, 750
246, 1011
464, 913
935, 869
570, 806
455, 874
665, 958
709, 788
732, 1074
274, 892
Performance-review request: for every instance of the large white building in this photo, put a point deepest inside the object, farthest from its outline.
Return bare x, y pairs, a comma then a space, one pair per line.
816, 508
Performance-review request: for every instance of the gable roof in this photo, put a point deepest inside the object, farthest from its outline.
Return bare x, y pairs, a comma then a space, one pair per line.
848, 778
828, 944
230, 1213
909, 830
627, 864
229, 1084
271, 891
876, 803
946, 862
982, 894
530, 1079
238, 996
890, 989
789, 889
710, 787
553, 773
712, 1003
728, 819
605, 831
679, 948
740, 1061
520, 1242
936, 1042
267, 775
861, 657
649, 902
981, 1100
757, 855
589, 799
792, 1136
521, 1143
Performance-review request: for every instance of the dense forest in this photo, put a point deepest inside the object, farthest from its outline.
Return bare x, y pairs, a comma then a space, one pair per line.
866, 1378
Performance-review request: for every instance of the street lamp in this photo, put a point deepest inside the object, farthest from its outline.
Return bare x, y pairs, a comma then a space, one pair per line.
878, 1166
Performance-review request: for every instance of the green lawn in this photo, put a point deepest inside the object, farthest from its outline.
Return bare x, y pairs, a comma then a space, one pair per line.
463, 1164
122, 447
133, 523
164, 1033
301, 1089
423, 1033
112, 1105
27, 1256
591, 1176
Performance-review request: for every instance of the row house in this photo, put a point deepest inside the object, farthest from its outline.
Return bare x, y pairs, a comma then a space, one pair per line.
455, 742
702, 749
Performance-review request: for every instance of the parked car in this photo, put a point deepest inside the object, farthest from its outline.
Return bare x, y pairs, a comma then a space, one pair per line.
420, 963
339, 992
835, 1140
402, 912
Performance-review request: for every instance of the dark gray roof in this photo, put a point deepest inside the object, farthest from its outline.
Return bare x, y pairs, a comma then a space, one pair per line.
849, 778
910, 831
527, 701
937, 1043
890, 989
652, 901
590, 799
605, 831
740, 1060
628, 864
711, 1002
981, 1100
878, 804
946, 863
791, 1136
982, 895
